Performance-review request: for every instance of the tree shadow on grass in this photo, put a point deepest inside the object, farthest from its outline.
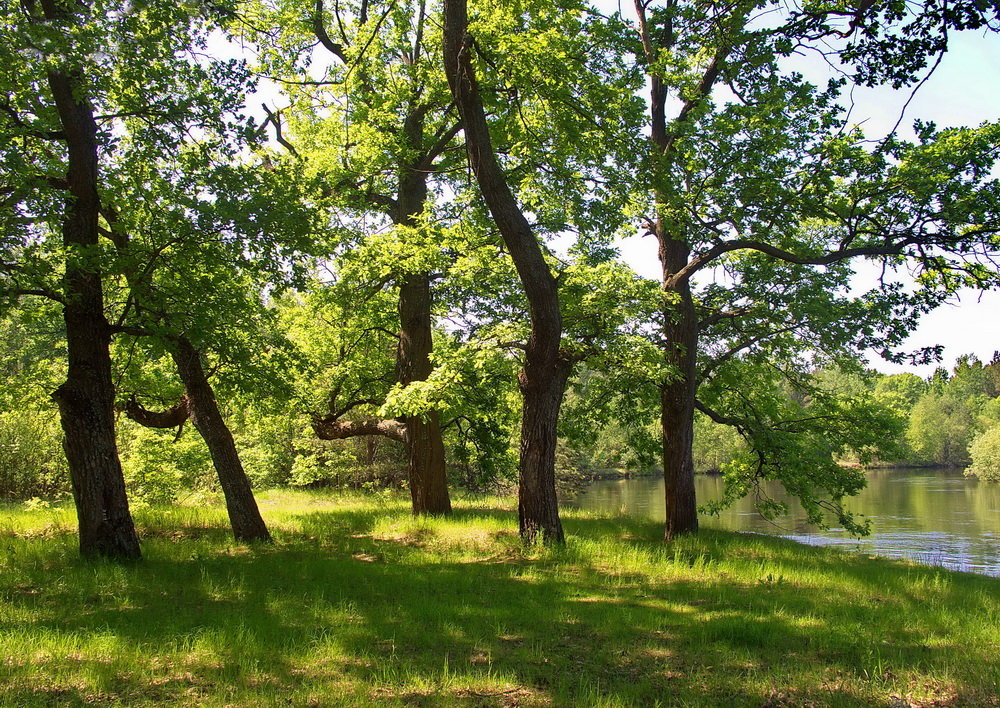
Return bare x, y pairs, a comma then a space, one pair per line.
335, 614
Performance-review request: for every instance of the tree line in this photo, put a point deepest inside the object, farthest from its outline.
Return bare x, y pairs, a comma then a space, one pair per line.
384, 254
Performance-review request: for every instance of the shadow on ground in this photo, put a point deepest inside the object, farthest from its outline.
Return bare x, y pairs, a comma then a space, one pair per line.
334, 613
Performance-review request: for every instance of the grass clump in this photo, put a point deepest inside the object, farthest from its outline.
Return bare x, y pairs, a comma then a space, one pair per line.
360, 603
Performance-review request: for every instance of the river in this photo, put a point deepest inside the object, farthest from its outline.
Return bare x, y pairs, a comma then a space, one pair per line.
939, 517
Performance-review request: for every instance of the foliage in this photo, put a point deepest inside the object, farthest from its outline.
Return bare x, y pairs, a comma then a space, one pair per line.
160, 466
941, 426
900, 391
283, 266
715, 446
799, 441
31, 460
31, 364
985, 455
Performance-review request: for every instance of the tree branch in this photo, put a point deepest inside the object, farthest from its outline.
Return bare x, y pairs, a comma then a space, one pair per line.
27, 129
275, 120
327, 429
319, 29
720, 249
440, 145
738, 423
173, 417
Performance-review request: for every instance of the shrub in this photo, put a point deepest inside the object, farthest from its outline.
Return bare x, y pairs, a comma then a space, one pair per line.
985, 453
159, 466
32, 463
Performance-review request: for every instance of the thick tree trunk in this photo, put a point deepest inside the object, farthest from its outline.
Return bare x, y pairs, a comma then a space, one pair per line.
680, 333
546, 370
244, 516
542, 384
86, 399
424, 445
427, 474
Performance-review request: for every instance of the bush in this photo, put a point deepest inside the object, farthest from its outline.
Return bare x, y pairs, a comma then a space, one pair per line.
985, 453
32, 463
159, 466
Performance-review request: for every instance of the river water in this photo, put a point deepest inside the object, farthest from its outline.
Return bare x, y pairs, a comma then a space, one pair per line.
939, 517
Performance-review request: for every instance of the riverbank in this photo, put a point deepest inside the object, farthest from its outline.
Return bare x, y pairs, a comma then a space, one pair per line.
933, 516
359, 603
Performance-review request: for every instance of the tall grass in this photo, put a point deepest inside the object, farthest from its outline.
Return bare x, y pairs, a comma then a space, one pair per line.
360, 603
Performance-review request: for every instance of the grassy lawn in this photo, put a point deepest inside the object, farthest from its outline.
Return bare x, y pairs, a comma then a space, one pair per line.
358, 603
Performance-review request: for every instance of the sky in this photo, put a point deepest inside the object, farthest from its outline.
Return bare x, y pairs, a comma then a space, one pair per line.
964, 90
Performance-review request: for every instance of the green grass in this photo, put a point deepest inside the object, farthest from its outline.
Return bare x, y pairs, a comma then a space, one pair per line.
359, 603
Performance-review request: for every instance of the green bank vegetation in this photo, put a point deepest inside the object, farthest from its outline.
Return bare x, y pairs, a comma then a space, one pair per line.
359, 603
948, 419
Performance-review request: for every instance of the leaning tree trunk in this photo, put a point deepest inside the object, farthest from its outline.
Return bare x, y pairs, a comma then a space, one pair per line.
427, 474
546, 370
680, 333
244, 516
86, 399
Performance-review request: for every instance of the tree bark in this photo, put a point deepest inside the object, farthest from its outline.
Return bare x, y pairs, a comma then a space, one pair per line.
86, 399
543, 379
677, 397
424, 445
244, 516
427, 474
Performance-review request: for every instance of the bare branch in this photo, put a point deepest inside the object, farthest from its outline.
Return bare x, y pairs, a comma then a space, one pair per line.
275, 120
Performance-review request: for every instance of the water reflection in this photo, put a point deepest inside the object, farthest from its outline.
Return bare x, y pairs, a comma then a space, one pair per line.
939, 517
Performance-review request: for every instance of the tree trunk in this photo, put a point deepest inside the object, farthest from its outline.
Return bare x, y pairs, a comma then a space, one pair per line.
86, 399
542, 383
546, 370
244, 516
680, 320
426, 470
680, 334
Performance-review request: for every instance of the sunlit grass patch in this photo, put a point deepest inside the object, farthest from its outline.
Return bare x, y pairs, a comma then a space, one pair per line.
358, 602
